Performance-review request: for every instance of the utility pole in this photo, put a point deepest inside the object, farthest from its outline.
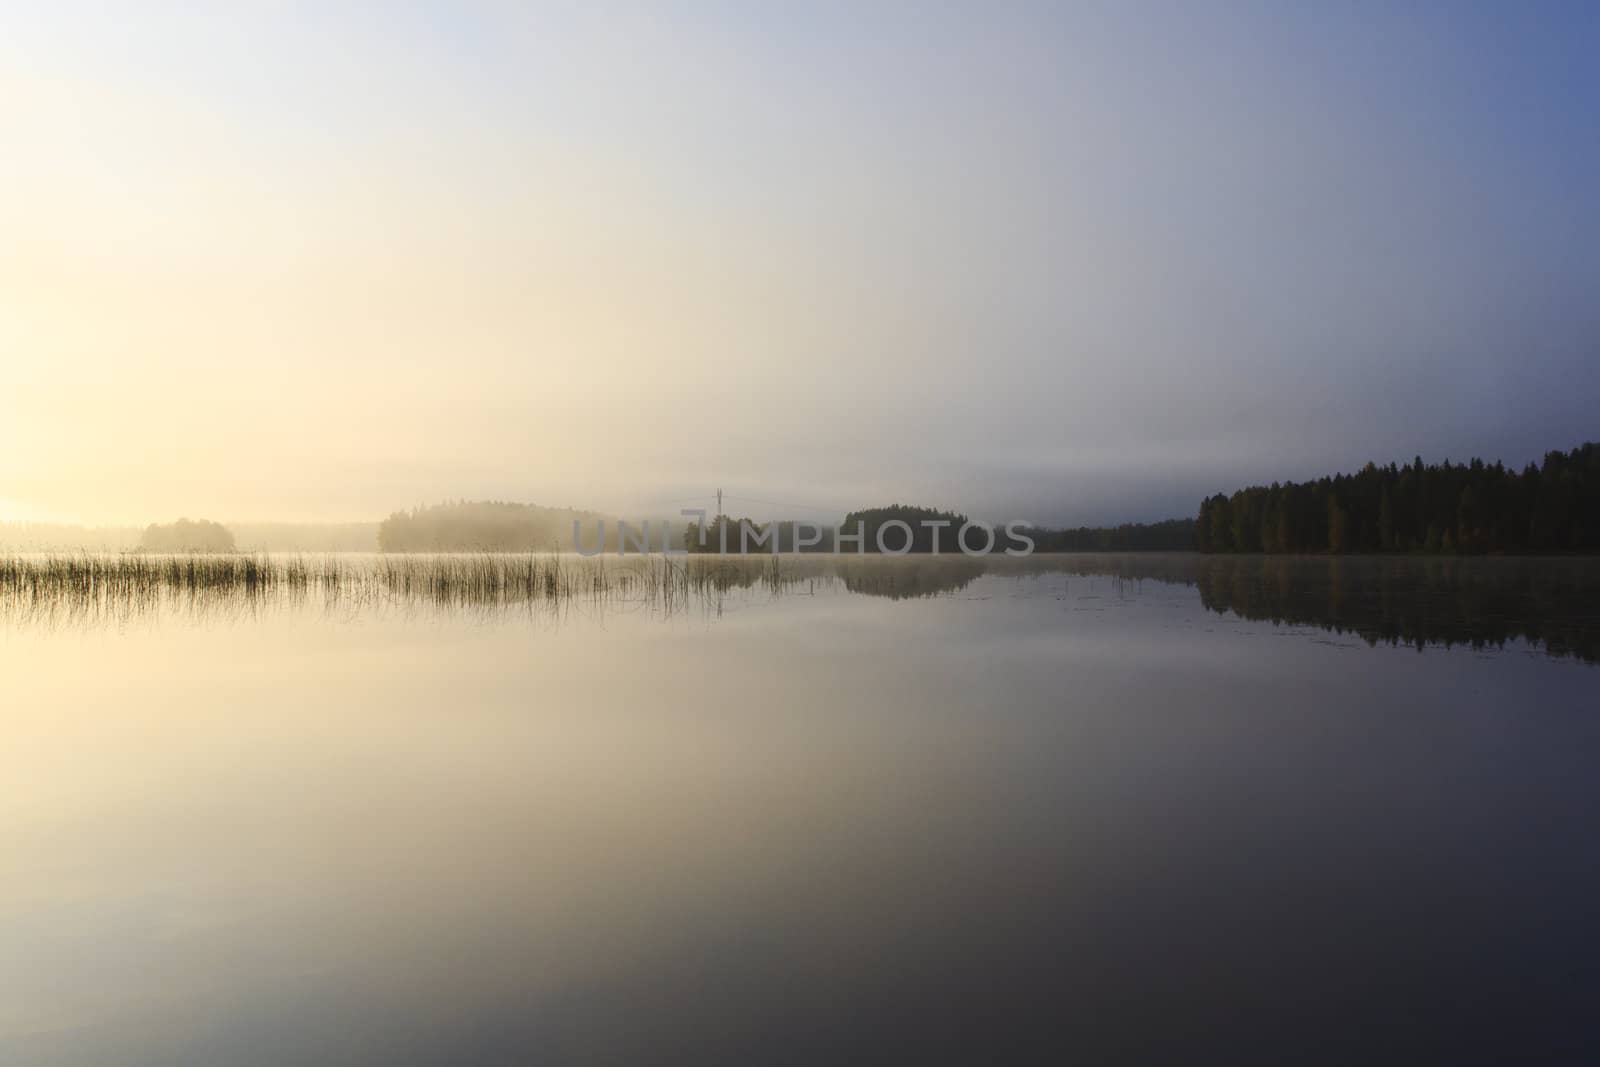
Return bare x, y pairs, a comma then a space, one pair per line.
722, 531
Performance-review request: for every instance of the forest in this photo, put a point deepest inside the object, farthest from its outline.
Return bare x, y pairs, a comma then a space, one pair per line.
1472, 508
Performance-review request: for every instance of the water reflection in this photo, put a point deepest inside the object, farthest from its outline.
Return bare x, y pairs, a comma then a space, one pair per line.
1481, 603
912, 578
1060, 811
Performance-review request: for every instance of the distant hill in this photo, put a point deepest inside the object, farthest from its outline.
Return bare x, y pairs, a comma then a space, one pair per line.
491, 526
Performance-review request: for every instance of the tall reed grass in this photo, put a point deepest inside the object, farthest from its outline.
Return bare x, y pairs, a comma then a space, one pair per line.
88, 586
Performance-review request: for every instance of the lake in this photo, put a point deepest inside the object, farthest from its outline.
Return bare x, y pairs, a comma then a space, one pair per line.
1090, 809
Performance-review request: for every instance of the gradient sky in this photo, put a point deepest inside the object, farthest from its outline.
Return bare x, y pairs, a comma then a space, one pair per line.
325, 261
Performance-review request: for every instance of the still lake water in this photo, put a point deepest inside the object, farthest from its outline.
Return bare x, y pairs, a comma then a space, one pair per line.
1087, 809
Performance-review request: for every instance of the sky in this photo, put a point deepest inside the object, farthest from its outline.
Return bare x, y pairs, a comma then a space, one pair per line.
1072, 263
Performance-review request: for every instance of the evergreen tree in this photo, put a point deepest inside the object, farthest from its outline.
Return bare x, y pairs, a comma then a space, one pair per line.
1473, 508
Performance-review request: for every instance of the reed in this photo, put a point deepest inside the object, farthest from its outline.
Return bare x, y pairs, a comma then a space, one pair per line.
87, 586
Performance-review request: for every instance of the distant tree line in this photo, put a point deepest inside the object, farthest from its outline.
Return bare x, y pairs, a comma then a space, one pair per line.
1470, 508
185, 535
923, 538
722, 535
1170, 535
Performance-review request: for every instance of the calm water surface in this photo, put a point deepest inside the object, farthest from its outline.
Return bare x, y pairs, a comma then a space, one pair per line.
1156, 809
